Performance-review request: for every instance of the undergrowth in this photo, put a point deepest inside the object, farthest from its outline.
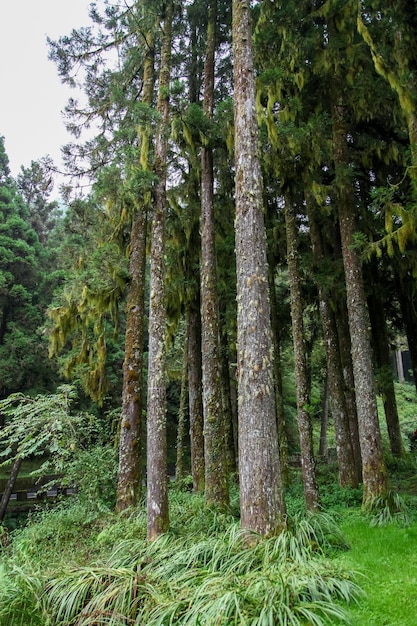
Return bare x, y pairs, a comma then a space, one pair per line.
203, 572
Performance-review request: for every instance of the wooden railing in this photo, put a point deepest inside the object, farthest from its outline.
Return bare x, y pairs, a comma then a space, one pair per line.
29, 491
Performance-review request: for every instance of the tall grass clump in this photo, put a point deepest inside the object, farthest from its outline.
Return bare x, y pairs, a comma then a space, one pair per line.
222, 579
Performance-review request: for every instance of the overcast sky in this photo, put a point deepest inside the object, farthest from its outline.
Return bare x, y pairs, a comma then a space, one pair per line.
32, 96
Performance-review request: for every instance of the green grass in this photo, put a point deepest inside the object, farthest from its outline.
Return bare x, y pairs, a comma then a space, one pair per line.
91, 560
387, 557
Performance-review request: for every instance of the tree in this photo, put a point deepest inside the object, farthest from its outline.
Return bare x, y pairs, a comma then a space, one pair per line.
157, 487
261, 496
23, 355
130, 470
216, 480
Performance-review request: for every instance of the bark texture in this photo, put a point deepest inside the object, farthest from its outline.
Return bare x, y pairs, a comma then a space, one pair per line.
157, 481
129, 480
195, 398
216, 470
261, 496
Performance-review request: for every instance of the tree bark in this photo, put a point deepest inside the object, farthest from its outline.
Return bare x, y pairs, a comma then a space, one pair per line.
261, 496
180, 470
216, 469
195, 398
129, 480
157, 484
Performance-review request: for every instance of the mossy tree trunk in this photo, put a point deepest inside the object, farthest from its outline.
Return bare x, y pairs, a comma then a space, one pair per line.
215, 451
195, 400
157, 484
311, 491
129, 481
374, 472
261, 496
180, 469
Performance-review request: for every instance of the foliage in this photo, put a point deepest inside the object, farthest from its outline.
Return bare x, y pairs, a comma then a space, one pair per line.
222, 576
41, 426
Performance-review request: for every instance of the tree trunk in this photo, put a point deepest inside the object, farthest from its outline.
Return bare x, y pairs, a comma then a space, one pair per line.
348, 474
343, 334
261, 496
385, 382
180, 471
195, 398
157, 485
216, 478
129, 480
311, 492
374, 471
324, 420
9, 487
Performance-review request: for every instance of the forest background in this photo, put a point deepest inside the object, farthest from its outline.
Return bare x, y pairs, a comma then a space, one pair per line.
246, 257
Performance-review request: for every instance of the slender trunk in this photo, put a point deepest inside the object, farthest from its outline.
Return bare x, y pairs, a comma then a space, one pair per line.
195, 398
261, 495
343, 334
311, 492
279, 398
374, 471
180, 471
385, 382
216, 479
9, 486
348, 474
324, 420
129, 480
231, 447
157, 485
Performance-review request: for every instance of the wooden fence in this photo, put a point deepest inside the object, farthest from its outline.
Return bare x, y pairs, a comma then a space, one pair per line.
29, 491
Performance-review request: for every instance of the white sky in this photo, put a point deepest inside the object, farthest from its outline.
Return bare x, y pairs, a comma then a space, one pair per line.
32, 96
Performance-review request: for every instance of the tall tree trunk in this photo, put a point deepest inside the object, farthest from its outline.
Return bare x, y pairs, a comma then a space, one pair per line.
216, 478
311, 492
129, 481
195, 397
343, 334
324, 420
157, 486
348, 472
180, 470
374, 471
283, 437
9, 487
261, 496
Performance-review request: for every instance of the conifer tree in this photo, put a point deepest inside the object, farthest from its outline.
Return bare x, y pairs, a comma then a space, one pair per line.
261, 496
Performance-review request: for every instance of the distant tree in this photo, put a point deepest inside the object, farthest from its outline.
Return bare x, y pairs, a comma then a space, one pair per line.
23, 353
